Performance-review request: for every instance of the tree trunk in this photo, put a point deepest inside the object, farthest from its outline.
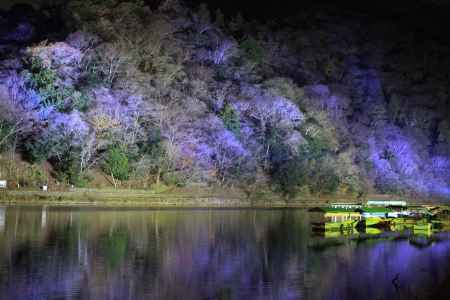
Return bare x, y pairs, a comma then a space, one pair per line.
158, 176
114, 181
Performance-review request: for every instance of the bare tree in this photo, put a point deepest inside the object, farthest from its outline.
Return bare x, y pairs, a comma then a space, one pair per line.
88, 153
223, 51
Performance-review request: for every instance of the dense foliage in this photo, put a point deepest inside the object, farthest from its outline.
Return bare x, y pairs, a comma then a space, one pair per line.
44, 80
231, 119
171, 95
116, 163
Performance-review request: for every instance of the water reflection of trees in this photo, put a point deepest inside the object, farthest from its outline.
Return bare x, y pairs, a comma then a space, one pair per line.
110, 254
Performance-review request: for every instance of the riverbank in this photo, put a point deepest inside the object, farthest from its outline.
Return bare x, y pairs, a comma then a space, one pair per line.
183, 198
203, 197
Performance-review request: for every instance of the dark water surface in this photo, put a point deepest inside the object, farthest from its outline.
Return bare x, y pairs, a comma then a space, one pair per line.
208, 254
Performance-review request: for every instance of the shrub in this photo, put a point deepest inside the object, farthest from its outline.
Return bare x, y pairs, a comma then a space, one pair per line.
324, 179
252, 51
60, 152
37, 150
154, 160
388, 185
82, 180
34, 176
67, 165
289, 176
117, 163
321, 174
80, 101
231, 119
352, 184
233, 169
172, 179
221, 73
105, 64
44, 80
7, 131
314, 149
285, 168
309, 167
284, 87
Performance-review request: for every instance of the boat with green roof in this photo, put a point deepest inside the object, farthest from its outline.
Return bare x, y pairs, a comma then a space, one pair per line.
390, 215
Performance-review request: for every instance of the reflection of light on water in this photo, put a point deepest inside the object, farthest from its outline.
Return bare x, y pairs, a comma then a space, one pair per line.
2, 219
199, 254
44, 217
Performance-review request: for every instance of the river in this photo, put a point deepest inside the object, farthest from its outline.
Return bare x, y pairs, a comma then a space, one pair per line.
87, 253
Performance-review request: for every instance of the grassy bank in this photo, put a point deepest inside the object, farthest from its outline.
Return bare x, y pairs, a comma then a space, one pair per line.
194, 197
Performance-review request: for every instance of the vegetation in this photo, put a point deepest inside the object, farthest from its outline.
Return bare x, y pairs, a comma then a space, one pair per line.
154, 161
66, 161
231, 119
169, 95
308, 167
253, 52
117, 163
45, 81
7, 132
37, 150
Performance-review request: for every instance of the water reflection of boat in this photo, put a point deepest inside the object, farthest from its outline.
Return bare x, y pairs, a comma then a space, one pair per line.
339, 233
420, 241
422, 229
335, 219
372, 221
373, 231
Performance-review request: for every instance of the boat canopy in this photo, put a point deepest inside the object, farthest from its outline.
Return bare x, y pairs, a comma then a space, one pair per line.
385, 203
346, 205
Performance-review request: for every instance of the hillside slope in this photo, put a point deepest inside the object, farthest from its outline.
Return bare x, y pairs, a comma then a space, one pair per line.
321, 104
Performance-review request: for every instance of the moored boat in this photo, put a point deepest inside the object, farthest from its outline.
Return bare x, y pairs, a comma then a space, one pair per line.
335, 219
351, 217
374, 216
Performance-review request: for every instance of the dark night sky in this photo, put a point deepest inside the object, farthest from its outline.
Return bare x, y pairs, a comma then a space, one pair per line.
428, 16
379, 7
391, 8
271, 9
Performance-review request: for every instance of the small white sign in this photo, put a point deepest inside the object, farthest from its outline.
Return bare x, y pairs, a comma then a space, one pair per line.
3, 184
44, 188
